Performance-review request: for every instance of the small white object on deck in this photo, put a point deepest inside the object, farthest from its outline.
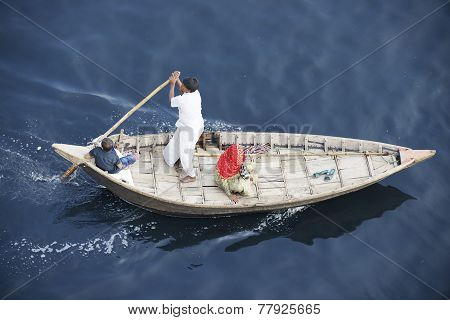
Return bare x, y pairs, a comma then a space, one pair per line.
124, 175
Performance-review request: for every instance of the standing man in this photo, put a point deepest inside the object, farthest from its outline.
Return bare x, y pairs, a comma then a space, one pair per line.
189, 125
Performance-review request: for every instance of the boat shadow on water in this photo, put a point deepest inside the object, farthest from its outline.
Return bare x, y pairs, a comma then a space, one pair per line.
328, 219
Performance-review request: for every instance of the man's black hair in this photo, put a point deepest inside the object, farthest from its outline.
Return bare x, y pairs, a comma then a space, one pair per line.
191, 84
107, 144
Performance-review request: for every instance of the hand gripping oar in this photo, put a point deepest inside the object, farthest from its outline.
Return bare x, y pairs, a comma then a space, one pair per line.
114, 127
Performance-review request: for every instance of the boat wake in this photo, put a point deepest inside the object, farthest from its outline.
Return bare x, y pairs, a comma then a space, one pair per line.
25, 255
278, 221
30, 171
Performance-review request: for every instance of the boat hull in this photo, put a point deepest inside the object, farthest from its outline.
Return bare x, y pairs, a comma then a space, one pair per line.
287, 184
159, 206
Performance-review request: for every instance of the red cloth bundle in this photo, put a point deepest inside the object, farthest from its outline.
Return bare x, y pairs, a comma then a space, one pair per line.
230, 161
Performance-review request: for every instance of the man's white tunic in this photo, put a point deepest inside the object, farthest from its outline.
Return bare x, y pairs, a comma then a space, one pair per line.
189, 128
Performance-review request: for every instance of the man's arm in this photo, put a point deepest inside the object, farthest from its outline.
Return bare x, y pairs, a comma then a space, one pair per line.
173, 79
90, 155
179, 83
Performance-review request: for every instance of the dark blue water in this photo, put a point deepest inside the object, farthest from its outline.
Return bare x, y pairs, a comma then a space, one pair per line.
254, 59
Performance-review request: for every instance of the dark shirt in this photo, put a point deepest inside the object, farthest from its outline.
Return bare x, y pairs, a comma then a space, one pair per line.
105, 160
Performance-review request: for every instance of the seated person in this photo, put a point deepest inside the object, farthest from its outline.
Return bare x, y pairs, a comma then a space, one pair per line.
233, 174
106, 157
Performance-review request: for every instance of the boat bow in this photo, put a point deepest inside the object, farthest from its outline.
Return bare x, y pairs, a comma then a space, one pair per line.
416, 155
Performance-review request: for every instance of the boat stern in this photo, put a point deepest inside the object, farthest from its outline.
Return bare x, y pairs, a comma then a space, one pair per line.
72, 153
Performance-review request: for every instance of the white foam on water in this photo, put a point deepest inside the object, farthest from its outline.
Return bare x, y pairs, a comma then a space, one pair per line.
53, 250
218, 125
295, 210
65, 247
278, 219
30, 179
235, 236
109, 244
39, 177
48, 248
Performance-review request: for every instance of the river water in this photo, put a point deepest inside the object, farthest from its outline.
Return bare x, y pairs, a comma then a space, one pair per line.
69, 70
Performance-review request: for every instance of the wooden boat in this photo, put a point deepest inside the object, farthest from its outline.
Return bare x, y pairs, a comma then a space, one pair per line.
285, 174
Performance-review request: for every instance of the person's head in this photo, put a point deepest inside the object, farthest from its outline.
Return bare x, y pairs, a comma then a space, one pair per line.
189, 85
107, 144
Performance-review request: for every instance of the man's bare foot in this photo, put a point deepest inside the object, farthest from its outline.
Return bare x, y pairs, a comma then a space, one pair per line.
234, 198
187, 179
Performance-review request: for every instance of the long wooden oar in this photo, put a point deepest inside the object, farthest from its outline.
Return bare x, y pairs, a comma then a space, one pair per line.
135, 108
118, 123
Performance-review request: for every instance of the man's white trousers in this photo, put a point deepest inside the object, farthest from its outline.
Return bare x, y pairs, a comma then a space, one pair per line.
182, 146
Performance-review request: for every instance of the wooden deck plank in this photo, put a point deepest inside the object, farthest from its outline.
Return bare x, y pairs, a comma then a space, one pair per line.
216, 196
382, 161
145, 156
208, 169
144, 180
248, 200
208, 180
208, 160
295, 167
196, 184
270, 184
271, 192
167, 187
357, 172
165, 178
326, 187
271, 178
299, 191
264, 161
296, 181
320, 165
383, 169
213, 150
192, 192
293, 173
165, 170
350, 161
193, 199
268, 170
